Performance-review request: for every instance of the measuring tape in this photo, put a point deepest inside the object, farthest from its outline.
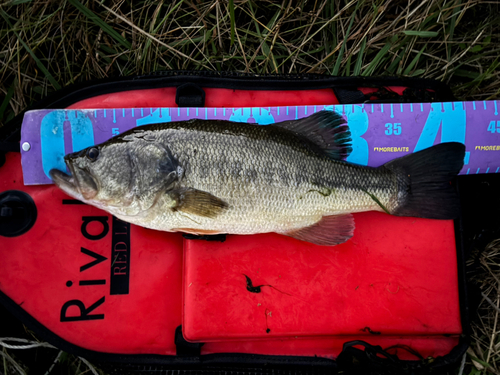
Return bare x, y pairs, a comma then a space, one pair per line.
380, 132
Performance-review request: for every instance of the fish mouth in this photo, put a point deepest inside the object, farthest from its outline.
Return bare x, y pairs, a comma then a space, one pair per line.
65, 182
80, 184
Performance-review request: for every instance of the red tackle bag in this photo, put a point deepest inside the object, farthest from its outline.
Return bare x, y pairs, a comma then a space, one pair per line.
392, 298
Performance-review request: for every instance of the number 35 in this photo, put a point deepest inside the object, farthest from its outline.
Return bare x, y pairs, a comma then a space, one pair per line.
393, 129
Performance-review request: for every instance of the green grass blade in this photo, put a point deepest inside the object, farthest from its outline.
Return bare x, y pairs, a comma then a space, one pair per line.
396, 61
18, 2
359, 60
342, 48
348, 66
99, 22
422, 34
376, 200
453, 23
381, 55
42, 67
417, 72
160, 24
231, 16
167, 16
413, 62
467, 73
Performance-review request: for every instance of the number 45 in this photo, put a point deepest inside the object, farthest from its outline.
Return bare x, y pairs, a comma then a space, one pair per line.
492, 127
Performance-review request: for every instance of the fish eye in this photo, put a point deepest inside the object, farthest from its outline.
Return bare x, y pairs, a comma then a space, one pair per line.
92, 154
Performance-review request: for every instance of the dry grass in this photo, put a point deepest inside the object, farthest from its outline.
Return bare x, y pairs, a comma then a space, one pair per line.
45, 45
50, 44
484, 352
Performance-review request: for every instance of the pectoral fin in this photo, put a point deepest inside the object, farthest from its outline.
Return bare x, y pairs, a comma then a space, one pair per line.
330, 230
197, 202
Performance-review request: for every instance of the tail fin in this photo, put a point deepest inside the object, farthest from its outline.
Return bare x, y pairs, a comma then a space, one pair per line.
424, 179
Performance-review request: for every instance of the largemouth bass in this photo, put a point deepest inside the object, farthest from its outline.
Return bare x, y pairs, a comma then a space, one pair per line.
212, 176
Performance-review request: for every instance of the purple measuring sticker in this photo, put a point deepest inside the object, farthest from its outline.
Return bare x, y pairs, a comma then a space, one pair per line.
380, 132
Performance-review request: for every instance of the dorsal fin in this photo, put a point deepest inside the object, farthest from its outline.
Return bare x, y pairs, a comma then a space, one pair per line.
326, 129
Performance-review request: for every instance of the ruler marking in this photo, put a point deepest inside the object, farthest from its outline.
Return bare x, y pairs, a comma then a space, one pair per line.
308, 111
287, 110
196, 111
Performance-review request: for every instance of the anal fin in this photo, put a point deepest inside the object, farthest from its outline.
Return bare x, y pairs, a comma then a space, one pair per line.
329, 231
